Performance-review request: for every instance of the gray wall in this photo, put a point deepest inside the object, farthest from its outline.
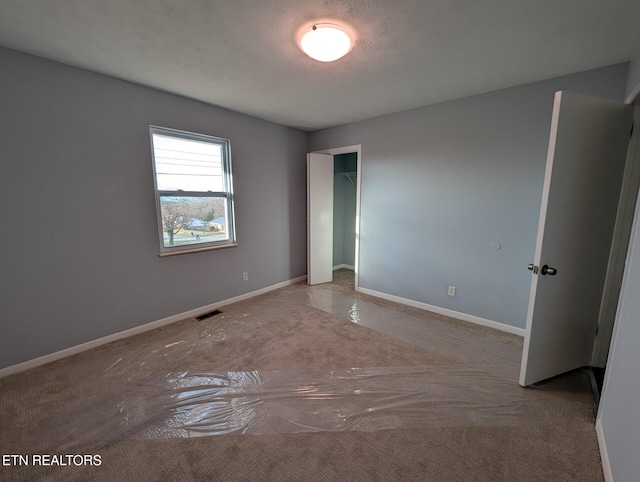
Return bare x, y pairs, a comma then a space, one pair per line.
441, 183
80, 243
344, 220
344, 210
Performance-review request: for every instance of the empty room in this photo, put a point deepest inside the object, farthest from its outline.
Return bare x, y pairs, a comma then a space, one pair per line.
320, 240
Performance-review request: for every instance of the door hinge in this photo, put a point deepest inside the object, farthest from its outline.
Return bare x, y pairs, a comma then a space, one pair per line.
631, 133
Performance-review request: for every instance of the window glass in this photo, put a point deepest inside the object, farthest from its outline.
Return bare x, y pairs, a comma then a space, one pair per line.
187, 165
194, 194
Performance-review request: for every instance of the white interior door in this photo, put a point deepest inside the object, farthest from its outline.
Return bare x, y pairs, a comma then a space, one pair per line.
319, 218
585, 164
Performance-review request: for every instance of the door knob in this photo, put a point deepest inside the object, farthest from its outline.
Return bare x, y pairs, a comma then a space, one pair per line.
548, 270
530, 267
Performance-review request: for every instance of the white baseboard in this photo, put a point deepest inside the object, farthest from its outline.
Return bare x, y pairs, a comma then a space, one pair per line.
20, 367
604, 455
344, 266
444, 311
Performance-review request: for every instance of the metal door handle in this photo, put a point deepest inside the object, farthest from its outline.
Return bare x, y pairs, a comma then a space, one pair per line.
548, 270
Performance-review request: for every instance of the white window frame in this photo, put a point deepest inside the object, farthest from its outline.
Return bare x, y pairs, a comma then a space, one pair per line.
227, 192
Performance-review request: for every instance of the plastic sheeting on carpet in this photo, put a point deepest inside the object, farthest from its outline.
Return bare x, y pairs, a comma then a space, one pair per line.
432, 334
134, 396
364, 399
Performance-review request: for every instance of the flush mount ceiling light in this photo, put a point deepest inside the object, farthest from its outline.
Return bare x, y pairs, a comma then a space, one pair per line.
325, 42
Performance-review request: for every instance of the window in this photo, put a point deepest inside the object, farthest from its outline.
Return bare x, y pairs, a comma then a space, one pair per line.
194, 195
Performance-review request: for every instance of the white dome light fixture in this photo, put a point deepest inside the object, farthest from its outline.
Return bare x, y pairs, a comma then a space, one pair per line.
325, 42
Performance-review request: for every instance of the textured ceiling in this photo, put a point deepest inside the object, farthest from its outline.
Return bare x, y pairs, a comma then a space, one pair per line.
242, 54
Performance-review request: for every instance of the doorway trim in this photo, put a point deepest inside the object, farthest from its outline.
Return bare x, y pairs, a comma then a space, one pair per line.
619, 247
357, 148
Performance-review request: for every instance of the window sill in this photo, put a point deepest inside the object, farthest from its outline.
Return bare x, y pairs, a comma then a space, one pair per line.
197, 249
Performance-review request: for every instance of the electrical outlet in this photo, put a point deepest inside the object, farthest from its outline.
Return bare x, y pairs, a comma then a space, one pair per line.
245, 276
452, 291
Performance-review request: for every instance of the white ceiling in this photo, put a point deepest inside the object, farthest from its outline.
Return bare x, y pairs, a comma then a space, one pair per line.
242, 54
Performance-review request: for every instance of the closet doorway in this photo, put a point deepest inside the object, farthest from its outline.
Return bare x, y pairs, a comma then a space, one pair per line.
333, 212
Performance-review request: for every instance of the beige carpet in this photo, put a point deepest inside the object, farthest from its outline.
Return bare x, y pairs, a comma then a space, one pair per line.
304, 383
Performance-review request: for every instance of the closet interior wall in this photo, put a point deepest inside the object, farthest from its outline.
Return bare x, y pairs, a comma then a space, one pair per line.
344, 210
